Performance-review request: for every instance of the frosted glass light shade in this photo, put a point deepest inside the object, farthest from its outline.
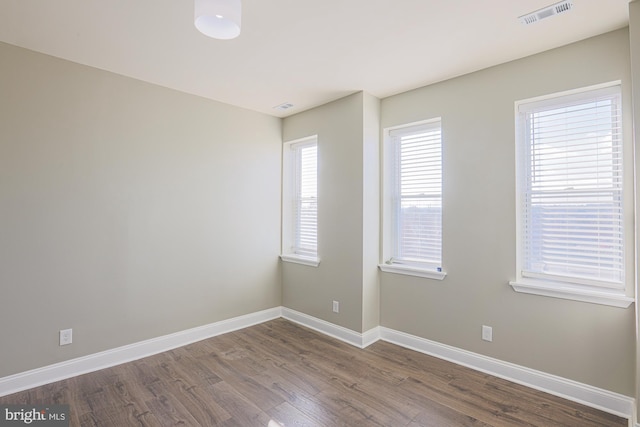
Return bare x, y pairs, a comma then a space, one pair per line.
219, 19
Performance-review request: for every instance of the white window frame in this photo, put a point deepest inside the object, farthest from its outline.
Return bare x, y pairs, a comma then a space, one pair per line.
291, 162
391, 204
567, 286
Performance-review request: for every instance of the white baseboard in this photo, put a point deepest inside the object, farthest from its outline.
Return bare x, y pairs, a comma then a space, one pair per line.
604, 400
127, 353
343, 334
598, 398
607, 401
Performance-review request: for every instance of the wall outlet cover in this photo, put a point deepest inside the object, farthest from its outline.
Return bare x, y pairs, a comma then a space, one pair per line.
66, 336
487, 333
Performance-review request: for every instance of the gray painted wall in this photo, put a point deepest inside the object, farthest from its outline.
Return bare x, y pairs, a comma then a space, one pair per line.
634, 38
311, 290
371, 213
127, 211
589, 343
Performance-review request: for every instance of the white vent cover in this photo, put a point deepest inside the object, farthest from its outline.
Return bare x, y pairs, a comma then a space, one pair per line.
538, 15
284, 106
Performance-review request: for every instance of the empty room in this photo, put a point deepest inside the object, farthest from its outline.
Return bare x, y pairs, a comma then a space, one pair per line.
319, 213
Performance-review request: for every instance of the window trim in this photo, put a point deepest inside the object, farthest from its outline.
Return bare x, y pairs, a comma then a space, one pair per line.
565, 289
288, 195
300, 259
387, 264
409, 270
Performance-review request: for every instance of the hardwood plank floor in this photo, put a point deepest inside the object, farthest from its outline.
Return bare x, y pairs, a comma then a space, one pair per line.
281, 374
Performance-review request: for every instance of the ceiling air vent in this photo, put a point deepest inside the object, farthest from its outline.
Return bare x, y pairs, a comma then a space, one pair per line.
284, 106
538, 15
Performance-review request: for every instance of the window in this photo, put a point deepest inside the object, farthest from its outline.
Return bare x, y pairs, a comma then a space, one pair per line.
300, 202
570, 204
413, 200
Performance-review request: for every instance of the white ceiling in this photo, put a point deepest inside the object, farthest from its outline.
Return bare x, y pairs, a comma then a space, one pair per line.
306, 52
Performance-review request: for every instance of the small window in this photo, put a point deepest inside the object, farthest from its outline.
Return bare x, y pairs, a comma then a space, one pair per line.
300, 201
413, 200
570, 186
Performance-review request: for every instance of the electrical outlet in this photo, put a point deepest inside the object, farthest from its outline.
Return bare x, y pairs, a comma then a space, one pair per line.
336, 307
487, 333
66, 336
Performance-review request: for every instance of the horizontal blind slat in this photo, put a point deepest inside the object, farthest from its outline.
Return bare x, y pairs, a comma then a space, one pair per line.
572, 208
418, 188
305, 209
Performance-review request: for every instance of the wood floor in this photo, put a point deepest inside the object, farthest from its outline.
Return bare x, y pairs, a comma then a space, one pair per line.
281, 374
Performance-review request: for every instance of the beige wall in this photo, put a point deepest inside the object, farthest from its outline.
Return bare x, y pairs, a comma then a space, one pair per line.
127, 211
592, 344
371, 213
634, 38
340, 126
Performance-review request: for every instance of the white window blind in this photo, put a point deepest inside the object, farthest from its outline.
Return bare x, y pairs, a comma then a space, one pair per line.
416, 174
570, 187
305, 200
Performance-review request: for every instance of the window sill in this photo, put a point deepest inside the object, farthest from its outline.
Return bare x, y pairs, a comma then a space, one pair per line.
565, 291
298, 259
412, 271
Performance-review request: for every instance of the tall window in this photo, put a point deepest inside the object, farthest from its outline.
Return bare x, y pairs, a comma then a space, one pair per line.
300, 201
570, 187
413, 200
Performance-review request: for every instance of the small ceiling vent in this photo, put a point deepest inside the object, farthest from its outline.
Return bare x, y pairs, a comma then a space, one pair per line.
539, 15
284, 106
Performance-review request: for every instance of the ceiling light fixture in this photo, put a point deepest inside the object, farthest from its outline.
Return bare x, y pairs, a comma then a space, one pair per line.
219, 19
538, 15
